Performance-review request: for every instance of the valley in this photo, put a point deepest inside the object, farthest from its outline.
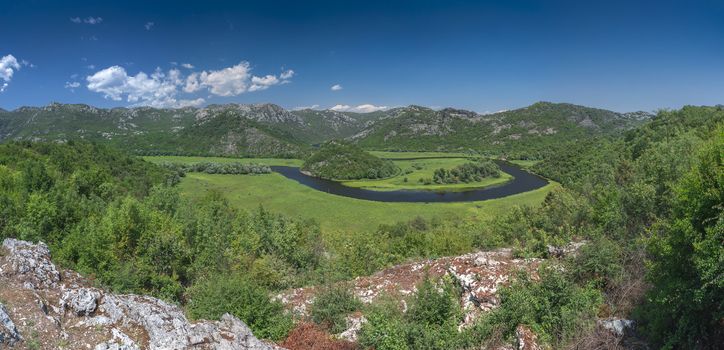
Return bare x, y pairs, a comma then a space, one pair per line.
278, 193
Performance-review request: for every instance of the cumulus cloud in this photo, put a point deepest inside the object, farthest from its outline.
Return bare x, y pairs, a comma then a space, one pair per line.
149, 25
233, 81
156, 90
160, 89
8, 65
187, 65
336, 87
363, 108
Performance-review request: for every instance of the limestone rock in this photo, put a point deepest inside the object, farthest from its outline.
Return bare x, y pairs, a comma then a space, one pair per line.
29, 263
9, 334
99, 320
617, 326
82, 301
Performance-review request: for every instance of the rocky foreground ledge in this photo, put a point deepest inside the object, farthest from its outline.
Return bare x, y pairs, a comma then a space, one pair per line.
44, 308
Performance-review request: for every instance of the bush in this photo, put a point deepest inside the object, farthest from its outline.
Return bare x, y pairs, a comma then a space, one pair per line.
212, 298
554, 308
332, 305
430, 323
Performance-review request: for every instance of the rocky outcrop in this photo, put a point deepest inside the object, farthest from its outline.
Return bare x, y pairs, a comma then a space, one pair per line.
59, 309
619, 327
9, 334
479, 275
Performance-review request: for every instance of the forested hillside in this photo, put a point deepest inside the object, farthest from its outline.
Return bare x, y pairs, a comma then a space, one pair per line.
262, 130
644, 208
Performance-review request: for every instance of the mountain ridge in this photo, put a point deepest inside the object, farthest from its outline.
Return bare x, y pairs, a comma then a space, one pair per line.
267, 129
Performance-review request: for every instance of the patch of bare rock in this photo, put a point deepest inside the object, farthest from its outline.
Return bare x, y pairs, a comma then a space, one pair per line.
480, 276
44, 308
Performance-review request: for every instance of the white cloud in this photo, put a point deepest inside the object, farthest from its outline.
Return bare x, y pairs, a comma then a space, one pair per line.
72, 85
341, 108
263, 83
91, 66
286, 75
336, 87
363, 108
93, 20
87, 20
299, 108
233, 81
187, 65
156, 90
160, 89
230, 81
149, 25
8, 65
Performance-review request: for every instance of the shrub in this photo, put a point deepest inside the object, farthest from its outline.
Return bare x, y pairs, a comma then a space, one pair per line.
332, 305
211, 298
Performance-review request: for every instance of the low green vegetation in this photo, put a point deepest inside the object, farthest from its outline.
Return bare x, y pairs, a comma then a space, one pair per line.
417, 174
341, 214
466, 173
339, 160
647, 205
332, 305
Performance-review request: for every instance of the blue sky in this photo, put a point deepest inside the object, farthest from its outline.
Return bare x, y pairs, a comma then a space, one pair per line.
482, 55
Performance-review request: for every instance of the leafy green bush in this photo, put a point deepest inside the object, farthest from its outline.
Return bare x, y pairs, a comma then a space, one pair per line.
684, 308
331, 306
555, 308
220, 294
430, 323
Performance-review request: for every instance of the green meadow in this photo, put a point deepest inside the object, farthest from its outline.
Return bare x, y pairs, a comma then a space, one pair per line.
337, 213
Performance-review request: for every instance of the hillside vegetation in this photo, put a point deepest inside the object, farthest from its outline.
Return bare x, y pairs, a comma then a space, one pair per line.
343, 161
265, 130
644, 208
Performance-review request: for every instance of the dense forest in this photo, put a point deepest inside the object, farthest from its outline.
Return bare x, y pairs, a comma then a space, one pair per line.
647, 204
341, 160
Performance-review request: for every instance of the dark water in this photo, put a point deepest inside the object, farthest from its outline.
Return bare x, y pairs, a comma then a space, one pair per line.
523, 181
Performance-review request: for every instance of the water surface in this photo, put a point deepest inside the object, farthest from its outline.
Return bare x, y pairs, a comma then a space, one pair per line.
522, 181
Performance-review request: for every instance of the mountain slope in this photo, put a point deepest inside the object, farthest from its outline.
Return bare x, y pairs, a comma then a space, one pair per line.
270, 130
522, 130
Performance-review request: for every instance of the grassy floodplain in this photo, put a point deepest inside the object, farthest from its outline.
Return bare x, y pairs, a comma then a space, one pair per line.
419, 169
334, 213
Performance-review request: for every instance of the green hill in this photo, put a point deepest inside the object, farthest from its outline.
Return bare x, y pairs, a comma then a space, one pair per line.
269, 130
521, 133
343, 161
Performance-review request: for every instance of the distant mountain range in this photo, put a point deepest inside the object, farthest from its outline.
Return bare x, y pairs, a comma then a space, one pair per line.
270, 130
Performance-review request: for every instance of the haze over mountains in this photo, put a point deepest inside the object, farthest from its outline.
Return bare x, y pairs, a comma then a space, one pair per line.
270, 130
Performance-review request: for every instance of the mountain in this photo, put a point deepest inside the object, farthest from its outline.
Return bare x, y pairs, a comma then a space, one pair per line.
526, 129
231, 130
270, 130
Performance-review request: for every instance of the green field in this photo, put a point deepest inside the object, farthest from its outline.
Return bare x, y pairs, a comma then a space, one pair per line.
398, 155
415, 170
338, 213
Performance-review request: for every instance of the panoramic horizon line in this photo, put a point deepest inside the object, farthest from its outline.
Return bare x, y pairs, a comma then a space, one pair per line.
332, 108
